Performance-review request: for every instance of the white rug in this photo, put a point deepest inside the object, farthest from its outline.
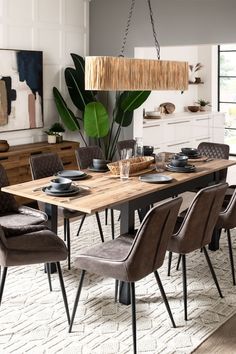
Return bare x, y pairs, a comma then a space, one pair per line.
33, 320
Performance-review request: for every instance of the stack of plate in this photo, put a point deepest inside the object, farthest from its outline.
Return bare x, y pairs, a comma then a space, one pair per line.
61, 193
74, 175
187, 168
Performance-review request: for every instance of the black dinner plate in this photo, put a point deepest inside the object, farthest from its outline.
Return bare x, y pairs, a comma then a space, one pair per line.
56, 193
187, 168
74, 175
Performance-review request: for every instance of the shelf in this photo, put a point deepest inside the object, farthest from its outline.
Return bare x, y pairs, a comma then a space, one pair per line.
196, 83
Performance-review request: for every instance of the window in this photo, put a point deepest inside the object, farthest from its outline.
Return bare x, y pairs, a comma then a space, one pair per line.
227, 91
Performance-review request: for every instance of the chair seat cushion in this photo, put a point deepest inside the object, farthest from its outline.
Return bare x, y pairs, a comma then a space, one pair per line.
15, 219
34, 247
108, 258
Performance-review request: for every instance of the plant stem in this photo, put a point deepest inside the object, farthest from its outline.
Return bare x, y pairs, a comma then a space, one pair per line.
83, 138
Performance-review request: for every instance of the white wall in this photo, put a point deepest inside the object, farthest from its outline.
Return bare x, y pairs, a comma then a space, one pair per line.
58, 28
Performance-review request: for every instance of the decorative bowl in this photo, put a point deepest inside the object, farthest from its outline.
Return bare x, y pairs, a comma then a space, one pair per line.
189, 151
100, 164
4, 146
193, 108
179, 160
61, 183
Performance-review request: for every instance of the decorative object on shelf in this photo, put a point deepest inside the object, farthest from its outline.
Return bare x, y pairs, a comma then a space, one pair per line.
94, 119
167, 107
118, 73
55, 133
193, 108
192, 70
151, 115
203, 104
4, 146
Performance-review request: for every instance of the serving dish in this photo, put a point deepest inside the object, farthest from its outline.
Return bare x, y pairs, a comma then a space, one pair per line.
155, 178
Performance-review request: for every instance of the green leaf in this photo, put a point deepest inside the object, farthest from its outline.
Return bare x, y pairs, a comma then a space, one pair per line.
134, 100
79, 64
67, 116
78, 95
121, 117
96, 121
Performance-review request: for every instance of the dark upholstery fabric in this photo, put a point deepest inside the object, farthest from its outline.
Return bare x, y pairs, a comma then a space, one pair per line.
216, 151
35, 245
125, 144
130, 259
199, 221
7, 201
85, 155
227, 218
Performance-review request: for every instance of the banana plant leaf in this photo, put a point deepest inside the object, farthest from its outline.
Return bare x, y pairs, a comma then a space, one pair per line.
96, 120
79, 64
133, 100
67, 116
78, 95
121, 117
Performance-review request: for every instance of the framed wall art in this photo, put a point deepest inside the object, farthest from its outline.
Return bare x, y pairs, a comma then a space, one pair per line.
21, 89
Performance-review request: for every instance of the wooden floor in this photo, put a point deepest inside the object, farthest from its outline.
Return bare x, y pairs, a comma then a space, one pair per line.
223, 341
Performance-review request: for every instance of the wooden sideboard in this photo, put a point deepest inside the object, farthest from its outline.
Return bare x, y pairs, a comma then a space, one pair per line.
16, 159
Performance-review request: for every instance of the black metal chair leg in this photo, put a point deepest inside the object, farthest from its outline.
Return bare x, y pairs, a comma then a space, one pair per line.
212, 271
106, 216
76, 300
184, 286
68, 241
133, 306
169, 263
63, 290
65, 230
116, 289
48, 270
112, 225
81, 224
178, 262
99, 227
231, 255
163, 294
4, 274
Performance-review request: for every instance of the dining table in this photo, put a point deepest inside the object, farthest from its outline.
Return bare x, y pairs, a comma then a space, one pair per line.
101, 190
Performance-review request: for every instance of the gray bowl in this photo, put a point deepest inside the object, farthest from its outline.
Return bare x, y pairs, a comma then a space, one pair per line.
100, 164
61, 183
179, 160
148, 150
189, 151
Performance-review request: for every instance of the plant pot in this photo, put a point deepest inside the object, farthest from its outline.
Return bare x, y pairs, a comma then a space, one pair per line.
52, 139
59, 139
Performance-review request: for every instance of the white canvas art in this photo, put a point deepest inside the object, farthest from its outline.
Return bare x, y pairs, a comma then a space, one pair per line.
21, 90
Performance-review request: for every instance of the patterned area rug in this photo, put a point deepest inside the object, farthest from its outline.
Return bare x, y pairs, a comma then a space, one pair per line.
33, 319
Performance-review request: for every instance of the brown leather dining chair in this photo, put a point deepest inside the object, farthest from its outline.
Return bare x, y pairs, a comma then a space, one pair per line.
84, 157
194, 231
227, 221
28, 245
130, 259
14, 215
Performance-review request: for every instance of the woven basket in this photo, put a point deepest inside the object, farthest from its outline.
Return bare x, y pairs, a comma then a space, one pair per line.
136, 164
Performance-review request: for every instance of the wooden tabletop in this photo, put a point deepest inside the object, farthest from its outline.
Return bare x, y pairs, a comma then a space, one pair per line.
102, 190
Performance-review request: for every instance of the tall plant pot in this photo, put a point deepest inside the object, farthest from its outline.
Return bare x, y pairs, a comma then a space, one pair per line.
52, 139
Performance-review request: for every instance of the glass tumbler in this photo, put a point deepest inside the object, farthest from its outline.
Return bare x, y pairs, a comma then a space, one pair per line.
160, 162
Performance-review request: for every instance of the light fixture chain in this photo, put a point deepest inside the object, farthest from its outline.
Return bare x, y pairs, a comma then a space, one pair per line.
157, 45
127, 28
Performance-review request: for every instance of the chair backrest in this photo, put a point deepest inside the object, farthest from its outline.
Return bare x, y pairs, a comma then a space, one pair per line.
150, 243
216, 151
85, 155
126, 144
7, 201
45, 165
197, 227
227, 218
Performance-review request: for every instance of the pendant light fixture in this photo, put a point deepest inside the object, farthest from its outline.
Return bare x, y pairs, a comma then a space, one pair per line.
106, 73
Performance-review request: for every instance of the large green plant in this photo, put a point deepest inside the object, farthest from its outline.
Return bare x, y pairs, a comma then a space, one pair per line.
94, 115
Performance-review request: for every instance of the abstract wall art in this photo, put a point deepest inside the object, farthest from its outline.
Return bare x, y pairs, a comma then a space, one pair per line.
21, 89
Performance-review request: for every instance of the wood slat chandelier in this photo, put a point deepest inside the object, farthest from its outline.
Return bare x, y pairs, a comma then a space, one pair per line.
106, 73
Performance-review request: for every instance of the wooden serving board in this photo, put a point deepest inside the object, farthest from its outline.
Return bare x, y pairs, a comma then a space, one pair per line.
199, 159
